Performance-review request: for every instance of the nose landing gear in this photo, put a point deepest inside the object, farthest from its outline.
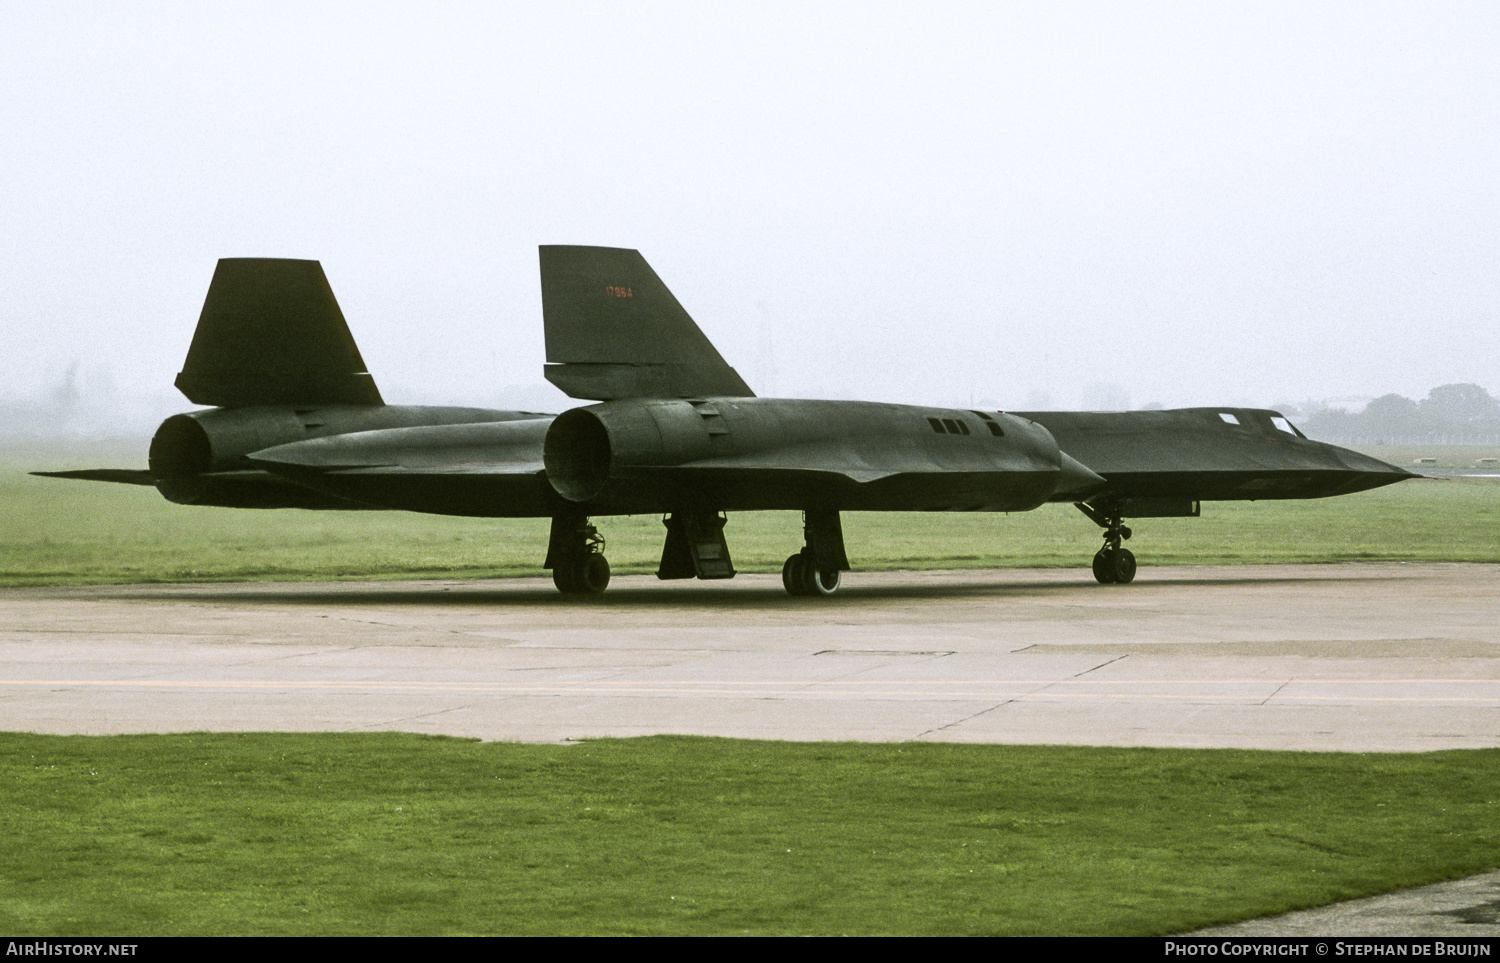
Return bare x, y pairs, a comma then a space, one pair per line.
1113, 564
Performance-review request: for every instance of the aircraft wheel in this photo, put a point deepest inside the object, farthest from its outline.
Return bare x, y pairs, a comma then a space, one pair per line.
1104, 567
800, 576
582, 575
819, 582
791, 575
593, 574
1124, 566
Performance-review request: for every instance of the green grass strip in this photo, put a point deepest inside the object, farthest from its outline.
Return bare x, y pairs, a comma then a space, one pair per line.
402, 834
57, 532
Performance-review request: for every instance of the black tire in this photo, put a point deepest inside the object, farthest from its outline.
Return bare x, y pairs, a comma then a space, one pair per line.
582, 575
820, 582
791, 575
592, 576
800, 576
809, 580
1124, 566
1104, 567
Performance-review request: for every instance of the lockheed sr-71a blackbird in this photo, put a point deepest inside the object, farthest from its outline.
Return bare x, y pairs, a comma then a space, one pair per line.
296, 421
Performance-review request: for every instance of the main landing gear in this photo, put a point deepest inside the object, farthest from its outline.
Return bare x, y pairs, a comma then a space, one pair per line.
575, 553
815, 570
801, 576
1113, 564
696, 547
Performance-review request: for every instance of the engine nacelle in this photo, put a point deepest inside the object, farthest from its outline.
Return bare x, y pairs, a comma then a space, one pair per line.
199, 459
585, 447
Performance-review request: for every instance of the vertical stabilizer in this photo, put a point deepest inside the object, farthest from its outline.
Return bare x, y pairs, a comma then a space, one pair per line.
271, 333
615, 331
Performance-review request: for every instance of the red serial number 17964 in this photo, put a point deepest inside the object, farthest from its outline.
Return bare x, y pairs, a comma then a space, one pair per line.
616, 292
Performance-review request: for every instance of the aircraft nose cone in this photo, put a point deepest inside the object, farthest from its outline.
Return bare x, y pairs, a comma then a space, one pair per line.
1362, 473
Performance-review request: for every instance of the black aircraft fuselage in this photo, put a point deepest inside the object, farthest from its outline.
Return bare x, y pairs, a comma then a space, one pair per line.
298, 423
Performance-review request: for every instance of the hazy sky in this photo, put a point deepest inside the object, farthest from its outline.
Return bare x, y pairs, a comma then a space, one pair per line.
946, 203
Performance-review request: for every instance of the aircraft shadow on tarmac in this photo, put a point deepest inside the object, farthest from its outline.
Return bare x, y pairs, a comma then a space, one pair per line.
746, 595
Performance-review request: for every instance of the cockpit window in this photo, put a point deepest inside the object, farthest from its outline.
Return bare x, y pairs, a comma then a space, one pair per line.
1283, 425
1229, 418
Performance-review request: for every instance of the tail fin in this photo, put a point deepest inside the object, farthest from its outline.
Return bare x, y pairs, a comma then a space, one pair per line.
271, 333
615, 331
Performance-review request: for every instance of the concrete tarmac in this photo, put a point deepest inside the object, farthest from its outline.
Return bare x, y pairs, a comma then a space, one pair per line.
1355, 657
1380, 657
1468, 908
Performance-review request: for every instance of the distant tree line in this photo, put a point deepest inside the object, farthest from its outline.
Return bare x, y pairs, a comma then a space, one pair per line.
1449, 415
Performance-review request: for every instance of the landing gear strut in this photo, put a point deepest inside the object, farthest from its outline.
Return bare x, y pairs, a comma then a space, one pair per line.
815, 570
575, 553
1113, 564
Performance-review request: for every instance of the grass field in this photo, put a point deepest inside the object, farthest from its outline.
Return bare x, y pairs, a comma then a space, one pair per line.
56, 531
396, 834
